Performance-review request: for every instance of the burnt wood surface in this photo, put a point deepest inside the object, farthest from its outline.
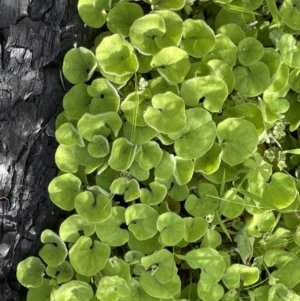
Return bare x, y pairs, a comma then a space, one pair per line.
34, 36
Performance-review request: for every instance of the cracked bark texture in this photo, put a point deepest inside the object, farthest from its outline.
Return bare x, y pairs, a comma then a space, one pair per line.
34, 36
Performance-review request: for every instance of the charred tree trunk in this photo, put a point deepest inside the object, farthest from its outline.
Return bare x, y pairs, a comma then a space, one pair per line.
34, 36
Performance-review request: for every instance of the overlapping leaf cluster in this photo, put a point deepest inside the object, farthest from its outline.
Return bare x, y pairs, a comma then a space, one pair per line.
178, 156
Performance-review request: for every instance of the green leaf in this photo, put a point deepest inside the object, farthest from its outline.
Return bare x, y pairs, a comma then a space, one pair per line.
69, 158
249, 112
238, 138
145, 246
207, 202
197, 136
280, 79
122, 61
105, 178
71, 228
30, 272
183, 171
155, 195
209, 261
231, 206
179, 192
54, 251
195, 228
109, 231
223, 71
41, 293
144, 31
112, 288
88, 257
174, 29
211, 239
63, 189
291, 117
233, 31
121, 17
74, 290
253, 80
105, 97
166, 107
210, 161
99, 148
68, 135
244, 245
290, 13
63, 272
76, 101
172, 63
212, 292
290, 50
92, 12
272, 60
149, 155
138, 135
198, 38
138, 172
79, 65
249, 275
141, 221
250, 51
217, 176
224, 50
171, 227
117, 267
122, 154
294, 80
165, 167
171, 4
211, 89
93, 209
130, 188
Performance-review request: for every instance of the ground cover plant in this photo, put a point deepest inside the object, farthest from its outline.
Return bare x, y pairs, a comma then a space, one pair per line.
179, 156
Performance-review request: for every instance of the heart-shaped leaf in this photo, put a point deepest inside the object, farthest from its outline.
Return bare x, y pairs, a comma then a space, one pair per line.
290, 50
92, 12
171, 227
166, 107
63, 272
109, 231
68, 135
165, 168
93, 209
211, 89
79, 65
155, 195
122, 61
290, 13
198, 38
30, 272
149, 155
54, 251
195, 228
212, 292
130, 188
250, 51
141, 221
88, 256
183, 171
238, 138
63, 189
249, 275
41, 293
99, 148
73, 226
172, 63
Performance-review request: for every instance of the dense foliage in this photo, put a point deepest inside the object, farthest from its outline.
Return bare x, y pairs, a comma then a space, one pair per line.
179, 156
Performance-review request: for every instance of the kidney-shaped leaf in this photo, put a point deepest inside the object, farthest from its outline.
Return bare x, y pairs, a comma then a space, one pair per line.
129, 188
287, 264
41, 293
111, 288
109, 231
172, 63
211, 89
121, 17
74, 290
54, 251
171, 227
144, 31
74, 226
253, 80
88, 257
166, 108
141, 221
238, 138
198, 38
290, 13
93, 209
68, 135
63, 190
198, 135
30, 272
211, 263
155, 195
121, 61
79, 65
249, 275
63, 272
250, 51
149, 155
195, 228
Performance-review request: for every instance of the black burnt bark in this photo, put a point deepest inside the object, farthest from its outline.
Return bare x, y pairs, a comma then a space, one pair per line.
34, 36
